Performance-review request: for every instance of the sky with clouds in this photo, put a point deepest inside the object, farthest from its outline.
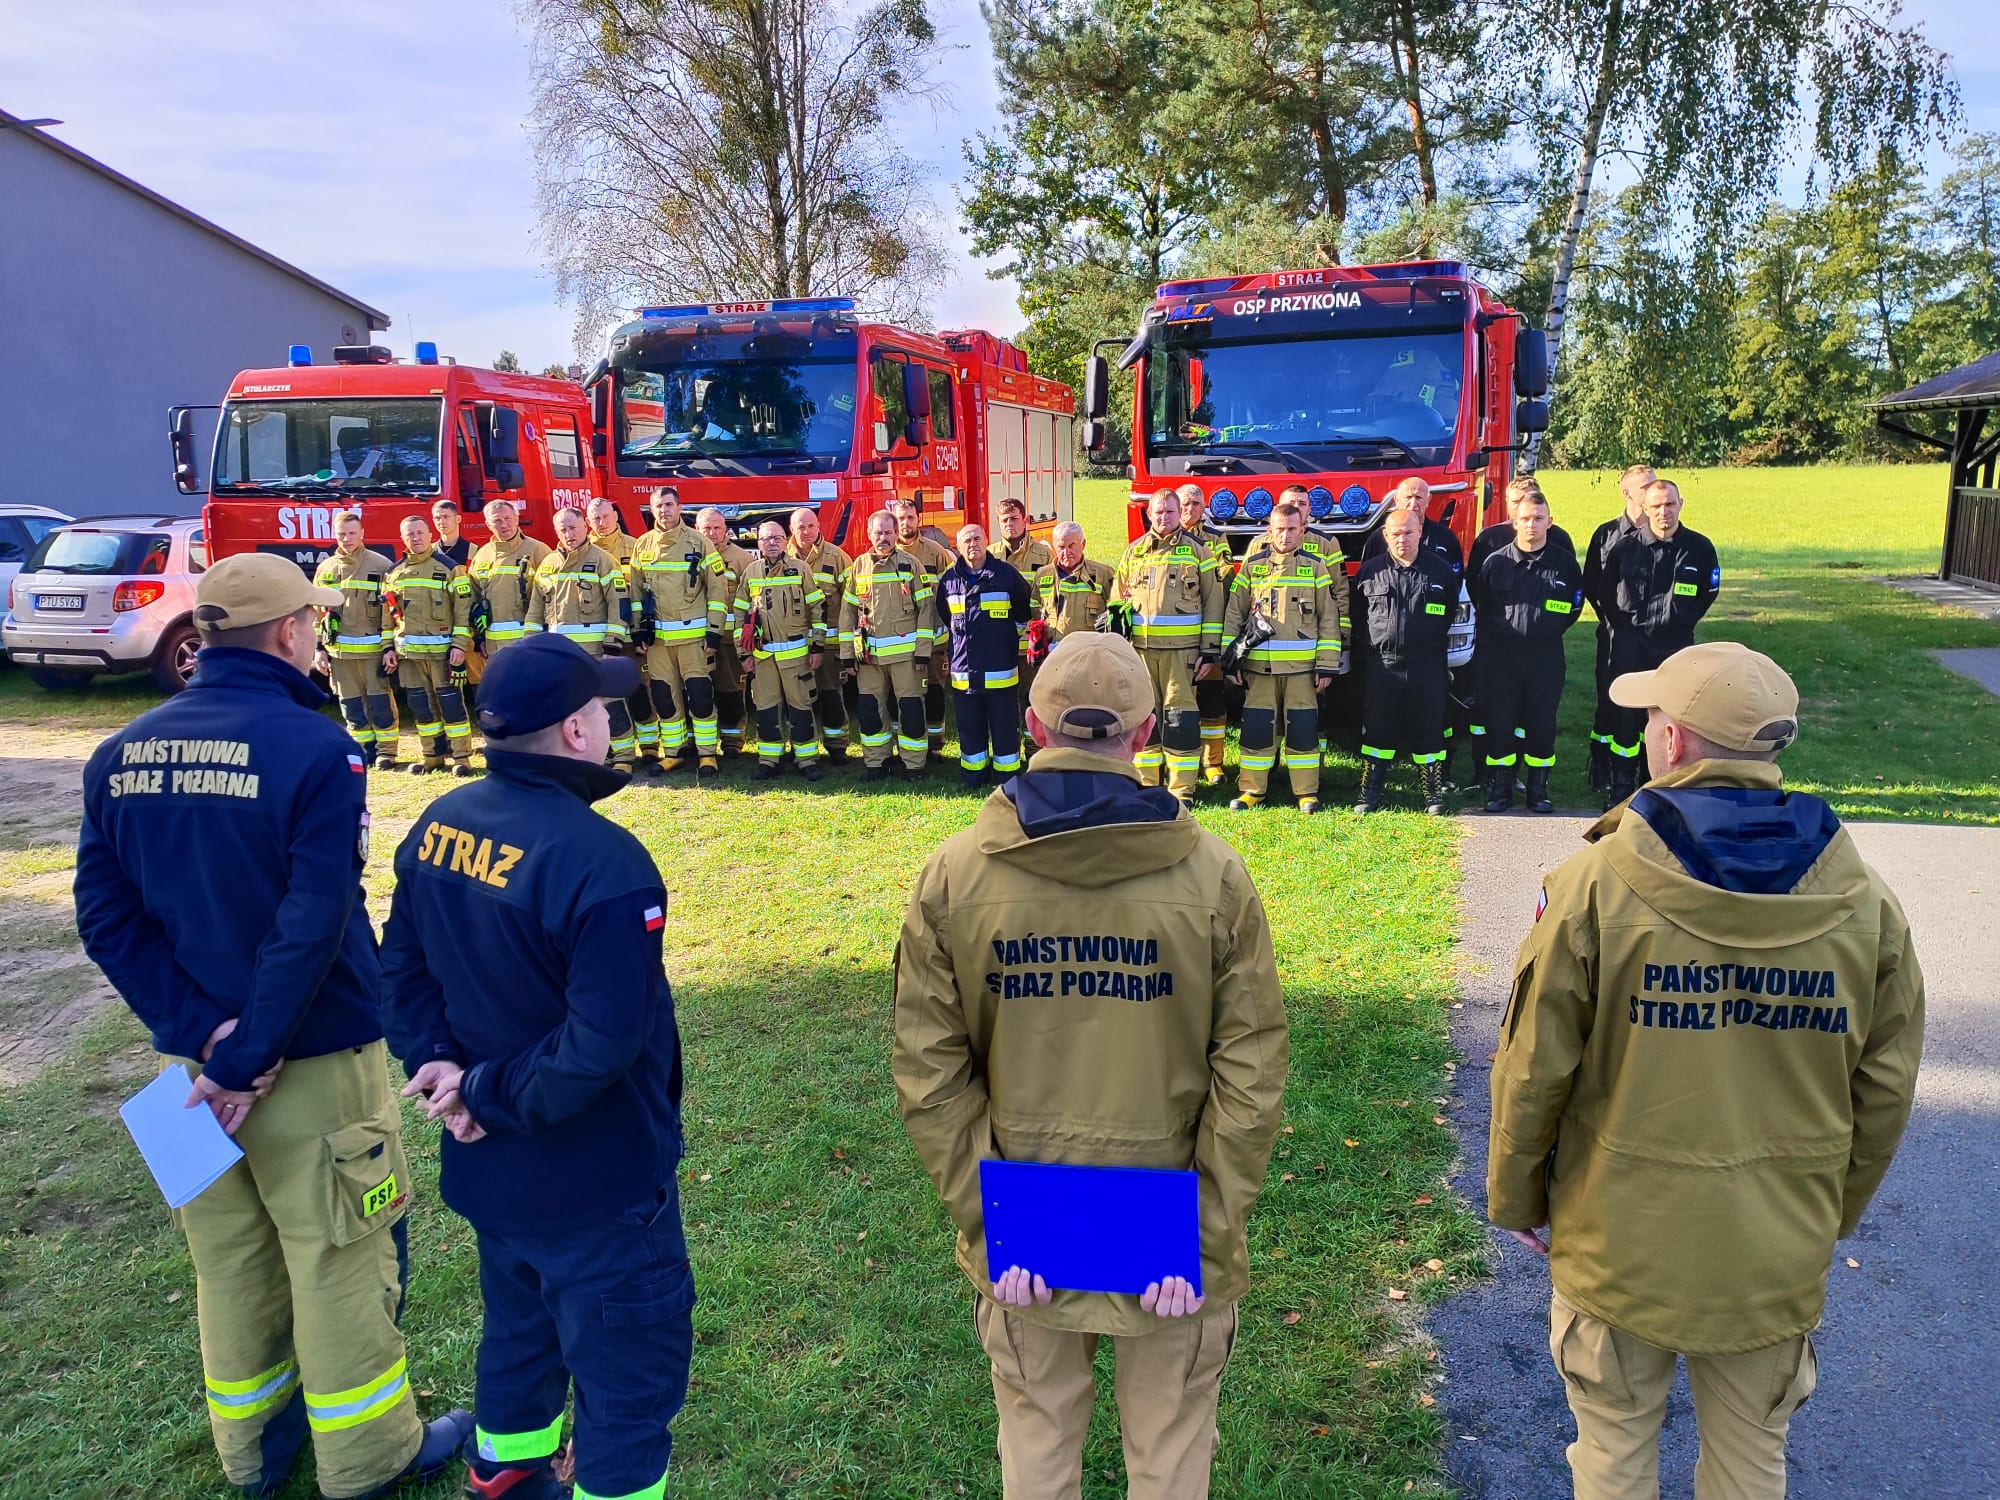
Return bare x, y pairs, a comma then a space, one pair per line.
382, 146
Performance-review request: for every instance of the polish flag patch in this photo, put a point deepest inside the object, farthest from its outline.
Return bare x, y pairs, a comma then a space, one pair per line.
1541, 903
357, 765
656, 918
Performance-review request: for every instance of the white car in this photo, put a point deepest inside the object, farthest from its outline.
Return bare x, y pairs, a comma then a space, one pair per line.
108, 594
21, 527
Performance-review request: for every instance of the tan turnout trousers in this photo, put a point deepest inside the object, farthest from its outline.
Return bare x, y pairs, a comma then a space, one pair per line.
1166, 1383
299, 1278
1617, 1387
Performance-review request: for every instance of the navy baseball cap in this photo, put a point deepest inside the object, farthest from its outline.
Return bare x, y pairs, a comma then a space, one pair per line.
543, 680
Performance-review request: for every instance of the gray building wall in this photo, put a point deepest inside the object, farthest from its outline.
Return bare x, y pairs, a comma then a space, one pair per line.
114, 307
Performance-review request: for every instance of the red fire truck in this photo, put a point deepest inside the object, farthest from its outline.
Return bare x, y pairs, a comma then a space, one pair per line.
1343, 379
297, 444
760, 408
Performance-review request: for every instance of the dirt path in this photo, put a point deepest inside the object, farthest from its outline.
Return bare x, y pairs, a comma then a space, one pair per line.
49, 992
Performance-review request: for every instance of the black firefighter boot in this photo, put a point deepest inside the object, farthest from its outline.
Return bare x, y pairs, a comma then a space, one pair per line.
1537, 794
1621, 780
1374, 782
1500, 789
1430, 776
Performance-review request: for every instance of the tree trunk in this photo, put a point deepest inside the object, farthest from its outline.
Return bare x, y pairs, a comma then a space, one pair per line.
1404, 48
1332, 188
1579, 199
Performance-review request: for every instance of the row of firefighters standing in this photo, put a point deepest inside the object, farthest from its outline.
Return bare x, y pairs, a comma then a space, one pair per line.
707, 617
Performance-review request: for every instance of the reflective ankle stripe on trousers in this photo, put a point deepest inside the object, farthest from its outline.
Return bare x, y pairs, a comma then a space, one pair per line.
363, 1403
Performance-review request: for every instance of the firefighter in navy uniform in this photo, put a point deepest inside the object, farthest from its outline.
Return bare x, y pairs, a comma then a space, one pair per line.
430, 599
983, 608
729, 697
1660, 580
352, 639
784, 625
1305, 607
1402, 604
927, 545
1211, 696
1527, 595
829, 569
529, 1006
218, 886
1632, 487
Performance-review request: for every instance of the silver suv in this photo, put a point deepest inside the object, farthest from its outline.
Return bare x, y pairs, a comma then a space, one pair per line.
108, 594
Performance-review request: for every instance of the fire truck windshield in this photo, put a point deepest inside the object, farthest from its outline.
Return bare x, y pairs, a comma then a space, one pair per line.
350, 445
1352, 400
760, 415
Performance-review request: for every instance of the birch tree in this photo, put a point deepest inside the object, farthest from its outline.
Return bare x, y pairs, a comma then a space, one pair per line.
700, 150
1706, 98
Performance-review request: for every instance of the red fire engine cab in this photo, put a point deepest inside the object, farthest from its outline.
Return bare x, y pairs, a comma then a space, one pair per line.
761, 408
294, 446
1342, 379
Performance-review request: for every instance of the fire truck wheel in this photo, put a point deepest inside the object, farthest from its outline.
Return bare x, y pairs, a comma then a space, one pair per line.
173, 661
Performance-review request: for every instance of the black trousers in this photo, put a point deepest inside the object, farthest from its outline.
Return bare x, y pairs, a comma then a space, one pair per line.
1403, 706
1520, 689
1601, 719
989, 729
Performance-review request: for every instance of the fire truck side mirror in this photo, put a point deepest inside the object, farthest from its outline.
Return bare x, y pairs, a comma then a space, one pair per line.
917, 402
1096, 393
600, 415
180, 437
1531, 363
1092, 436
1531, 416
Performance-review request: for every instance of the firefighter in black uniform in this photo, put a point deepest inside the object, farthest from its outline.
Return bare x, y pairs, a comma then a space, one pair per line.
1489, 541
1527, 594
527, 1000
1403, 602
1501, 534
1632, 485
1661, 580
1438, 539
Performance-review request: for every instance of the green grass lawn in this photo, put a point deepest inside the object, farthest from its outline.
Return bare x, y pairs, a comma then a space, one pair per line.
835, 1351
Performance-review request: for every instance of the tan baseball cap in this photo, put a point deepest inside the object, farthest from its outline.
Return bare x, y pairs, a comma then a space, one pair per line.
1723, 691
254, 588
1092, 686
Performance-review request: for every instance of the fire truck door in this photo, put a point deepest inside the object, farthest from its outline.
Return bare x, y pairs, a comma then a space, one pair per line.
944, 455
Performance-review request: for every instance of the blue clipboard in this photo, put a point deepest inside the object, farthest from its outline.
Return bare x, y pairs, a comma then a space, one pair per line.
1091, 1229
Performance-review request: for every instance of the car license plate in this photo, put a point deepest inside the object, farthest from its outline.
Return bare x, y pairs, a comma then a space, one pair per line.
58, 601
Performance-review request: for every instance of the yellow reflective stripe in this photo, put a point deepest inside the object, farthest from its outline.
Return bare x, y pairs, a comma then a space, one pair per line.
519, 1447
236, 1399
363, 1403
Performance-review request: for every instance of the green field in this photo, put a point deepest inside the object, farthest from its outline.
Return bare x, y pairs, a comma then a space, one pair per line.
835, 1351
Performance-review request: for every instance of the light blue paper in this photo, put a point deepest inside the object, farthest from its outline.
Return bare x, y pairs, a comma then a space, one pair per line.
185, 1149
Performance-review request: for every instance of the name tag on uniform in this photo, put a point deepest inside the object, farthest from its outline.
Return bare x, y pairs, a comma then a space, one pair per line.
1433, 609
1685, 588
1560, 606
